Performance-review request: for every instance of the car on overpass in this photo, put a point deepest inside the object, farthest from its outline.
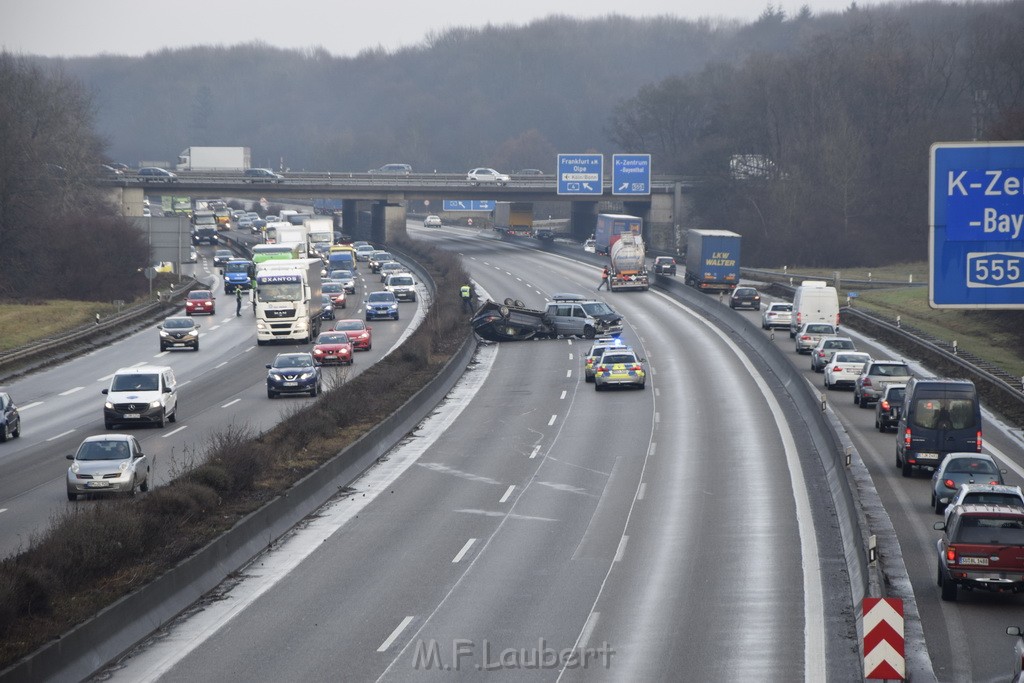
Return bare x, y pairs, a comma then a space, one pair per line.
392, 169
486, 175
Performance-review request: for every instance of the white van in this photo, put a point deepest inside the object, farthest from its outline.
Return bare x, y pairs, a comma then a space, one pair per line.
814, 302
147, 394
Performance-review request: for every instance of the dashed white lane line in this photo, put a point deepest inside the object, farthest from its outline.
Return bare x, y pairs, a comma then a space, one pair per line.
536, 450
621, 549
507, 494
394, 634
552, 420
568, 374
169, 434
231, 403
462, 553
54, 438
642, 492
220, 365
30, 405
650, 451
70, 391
562, 397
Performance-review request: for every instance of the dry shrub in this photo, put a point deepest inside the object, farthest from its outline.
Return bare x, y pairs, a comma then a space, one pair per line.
181, 500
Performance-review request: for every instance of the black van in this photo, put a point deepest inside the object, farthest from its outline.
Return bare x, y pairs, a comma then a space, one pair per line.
940, 416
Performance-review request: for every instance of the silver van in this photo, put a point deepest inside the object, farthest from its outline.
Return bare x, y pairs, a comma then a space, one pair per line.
577, 315
147, 394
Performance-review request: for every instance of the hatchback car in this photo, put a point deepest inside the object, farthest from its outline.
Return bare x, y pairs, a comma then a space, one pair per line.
199, 301
875, 377
810, 334
179, 332
590, 246
222, 256
336, 291
432, 221
358, 332
262, 175
985, 494
108, 463
10, 418
392, 169
333, 347
844, 368
293, 373
244, 223
529, 172
347, 279
378, 257
745, 297
156, 174
822, 352
486, 175
326, 307
364, 251
664, 265
778, 314
390, 268
381, 305
887, 408
958, 469
619, 367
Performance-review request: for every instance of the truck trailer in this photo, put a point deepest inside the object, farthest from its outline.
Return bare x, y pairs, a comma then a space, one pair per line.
712, 260
610, 226
214, 159
514, 219
627, 265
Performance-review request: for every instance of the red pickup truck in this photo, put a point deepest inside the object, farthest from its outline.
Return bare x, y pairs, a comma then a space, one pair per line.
982, 548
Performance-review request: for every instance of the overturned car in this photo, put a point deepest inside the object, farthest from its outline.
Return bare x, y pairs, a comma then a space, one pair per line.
566, 315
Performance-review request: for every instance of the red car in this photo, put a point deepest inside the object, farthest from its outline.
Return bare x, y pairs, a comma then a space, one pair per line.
333, 347
336, 290
358, 333
199, 301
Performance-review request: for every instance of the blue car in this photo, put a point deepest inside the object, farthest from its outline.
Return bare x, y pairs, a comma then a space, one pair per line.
381, 305
293, 373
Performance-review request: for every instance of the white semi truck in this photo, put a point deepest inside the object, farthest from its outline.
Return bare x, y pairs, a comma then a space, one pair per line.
287, 300
214, 159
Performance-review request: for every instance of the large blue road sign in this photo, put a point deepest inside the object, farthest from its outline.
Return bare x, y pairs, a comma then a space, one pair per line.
467, 205
976, 220
631, 174
581, 174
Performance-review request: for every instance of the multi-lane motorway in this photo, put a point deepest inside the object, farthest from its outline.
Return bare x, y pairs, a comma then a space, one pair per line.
677, 533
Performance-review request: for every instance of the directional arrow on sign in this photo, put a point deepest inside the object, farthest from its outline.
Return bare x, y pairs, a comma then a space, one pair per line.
883, 639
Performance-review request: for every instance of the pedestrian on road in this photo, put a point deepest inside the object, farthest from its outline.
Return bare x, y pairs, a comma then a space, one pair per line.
466, 293
604, 278
238, 301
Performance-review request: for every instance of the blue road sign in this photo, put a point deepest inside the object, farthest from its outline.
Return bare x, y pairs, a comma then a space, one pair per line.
467, 205
976, 225
581, 174
631, 174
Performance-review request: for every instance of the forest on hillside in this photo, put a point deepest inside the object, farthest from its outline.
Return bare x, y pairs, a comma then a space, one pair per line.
844, 105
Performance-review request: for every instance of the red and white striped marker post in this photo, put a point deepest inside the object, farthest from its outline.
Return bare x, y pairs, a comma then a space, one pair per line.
884, 639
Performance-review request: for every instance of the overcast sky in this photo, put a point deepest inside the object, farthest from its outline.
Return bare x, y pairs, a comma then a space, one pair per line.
342, 27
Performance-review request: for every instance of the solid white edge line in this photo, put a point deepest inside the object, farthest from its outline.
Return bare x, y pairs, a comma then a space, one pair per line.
394, 634
508, 493
462, 553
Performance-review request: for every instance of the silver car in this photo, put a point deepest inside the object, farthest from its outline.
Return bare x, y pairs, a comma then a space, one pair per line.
576, 315
108, 463
811, 333
778, 314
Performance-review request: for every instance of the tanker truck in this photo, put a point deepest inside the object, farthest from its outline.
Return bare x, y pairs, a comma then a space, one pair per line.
627, 267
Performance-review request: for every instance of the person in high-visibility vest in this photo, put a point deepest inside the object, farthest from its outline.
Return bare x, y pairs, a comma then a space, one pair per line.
466, 292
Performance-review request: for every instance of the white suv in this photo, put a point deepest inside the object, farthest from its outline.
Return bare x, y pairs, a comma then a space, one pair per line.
487, 175
402, 285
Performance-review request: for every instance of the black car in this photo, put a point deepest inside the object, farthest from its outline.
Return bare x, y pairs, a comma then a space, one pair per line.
262, 175
745, 297
222, 256
154, 173
293, 373
664, 265
10, 419
326, 307
179, 332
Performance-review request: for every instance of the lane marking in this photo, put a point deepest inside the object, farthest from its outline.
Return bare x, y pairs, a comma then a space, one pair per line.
588, 630
508, 493
169, 434
462, 553
394, 635
3, 510
650, 451
657, 418
54, 438
552, 420
231, 403
642, 492
568, 374
621, 549
70, 391
161, 354
562, 397
536, 450
30, 405
106, 378
212, 328
220, 365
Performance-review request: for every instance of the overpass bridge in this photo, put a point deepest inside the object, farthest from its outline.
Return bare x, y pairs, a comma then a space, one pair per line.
388, 197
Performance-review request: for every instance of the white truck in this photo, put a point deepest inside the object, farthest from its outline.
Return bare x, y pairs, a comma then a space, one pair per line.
287, 300
319, 231
214, 159
627, 267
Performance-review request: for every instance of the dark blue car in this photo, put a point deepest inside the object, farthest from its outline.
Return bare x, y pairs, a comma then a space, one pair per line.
293, 373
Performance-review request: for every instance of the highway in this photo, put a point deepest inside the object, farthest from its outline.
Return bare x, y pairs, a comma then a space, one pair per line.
223, 386
676, 532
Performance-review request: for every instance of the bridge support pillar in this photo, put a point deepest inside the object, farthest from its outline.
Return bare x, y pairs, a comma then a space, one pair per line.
350, 220
394, 220
583, 219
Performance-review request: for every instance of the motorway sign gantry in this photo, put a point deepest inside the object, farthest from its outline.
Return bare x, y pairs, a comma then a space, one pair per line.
631, 174
467, 205
976, 225
581, 174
